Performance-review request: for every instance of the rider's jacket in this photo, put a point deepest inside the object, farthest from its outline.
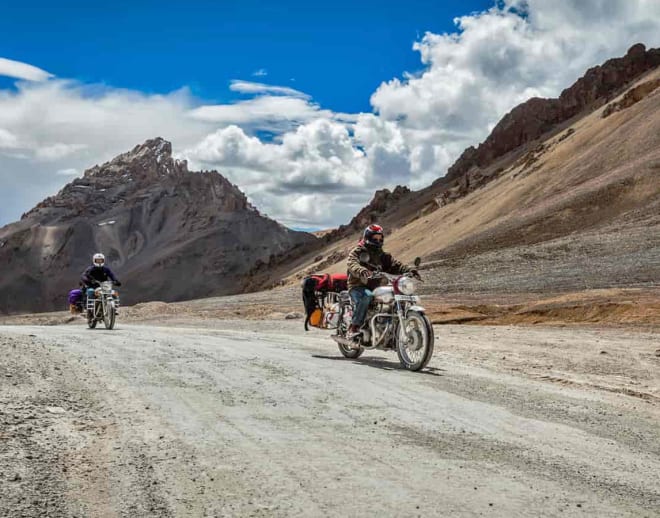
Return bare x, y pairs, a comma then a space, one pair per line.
378, 258
97, 274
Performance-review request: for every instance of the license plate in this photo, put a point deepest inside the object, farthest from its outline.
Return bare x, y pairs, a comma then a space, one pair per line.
406, 298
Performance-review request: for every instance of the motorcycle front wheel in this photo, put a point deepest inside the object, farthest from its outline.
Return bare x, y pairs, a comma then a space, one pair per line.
91, 321
109, 315
415, 352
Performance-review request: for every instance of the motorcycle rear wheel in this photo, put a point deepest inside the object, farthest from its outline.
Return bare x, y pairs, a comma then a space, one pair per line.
347, 352
351, 354
415, 355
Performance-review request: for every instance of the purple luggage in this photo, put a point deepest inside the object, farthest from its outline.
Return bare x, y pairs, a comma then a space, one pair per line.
75, 297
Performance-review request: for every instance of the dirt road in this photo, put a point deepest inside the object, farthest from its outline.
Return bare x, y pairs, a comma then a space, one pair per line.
235, 420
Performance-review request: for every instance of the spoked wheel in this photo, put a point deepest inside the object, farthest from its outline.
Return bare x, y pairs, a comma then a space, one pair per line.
91, 319
415, 352
347, 352
350, 353
109, 315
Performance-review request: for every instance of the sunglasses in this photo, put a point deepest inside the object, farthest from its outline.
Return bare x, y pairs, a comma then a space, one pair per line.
377, 237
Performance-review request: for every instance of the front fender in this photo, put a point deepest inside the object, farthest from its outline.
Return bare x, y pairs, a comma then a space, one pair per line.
419, 309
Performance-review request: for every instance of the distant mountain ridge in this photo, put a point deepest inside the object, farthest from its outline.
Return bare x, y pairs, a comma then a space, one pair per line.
537, 116
170, 234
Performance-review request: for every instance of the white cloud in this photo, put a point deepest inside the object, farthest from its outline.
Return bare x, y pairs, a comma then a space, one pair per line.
263, 111
7, 139
250, 87
319, 167
68, 172
262, 72
57, 151
18, 70
313, 167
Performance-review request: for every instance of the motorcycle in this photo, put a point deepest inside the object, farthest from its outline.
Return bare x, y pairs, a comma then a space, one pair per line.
103, 307
395, 321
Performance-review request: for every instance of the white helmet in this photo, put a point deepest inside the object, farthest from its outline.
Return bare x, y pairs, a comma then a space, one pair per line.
98, 260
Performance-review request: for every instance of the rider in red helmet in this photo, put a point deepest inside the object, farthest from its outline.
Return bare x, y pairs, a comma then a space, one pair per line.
360, 272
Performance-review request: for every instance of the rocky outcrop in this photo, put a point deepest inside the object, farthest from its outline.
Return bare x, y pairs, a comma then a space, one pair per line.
536, 116
633, 96
169, 233
383, 202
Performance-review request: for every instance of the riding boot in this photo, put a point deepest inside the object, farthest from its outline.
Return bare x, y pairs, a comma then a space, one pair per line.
353, 332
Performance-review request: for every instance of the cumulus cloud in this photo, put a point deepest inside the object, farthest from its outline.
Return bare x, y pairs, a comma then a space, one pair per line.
499, 58
18, 70
316, 161
317, 167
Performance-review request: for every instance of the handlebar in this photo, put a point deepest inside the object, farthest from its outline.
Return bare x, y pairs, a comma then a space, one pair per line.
98, 284
378, 274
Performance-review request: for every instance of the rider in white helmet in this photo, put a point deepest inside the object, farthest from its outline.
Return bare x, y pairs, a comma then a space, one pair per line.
94, 275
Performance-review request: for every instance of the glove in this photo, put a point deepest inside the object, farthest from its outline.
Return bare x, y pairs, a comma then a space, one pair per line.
117, 283
366, 275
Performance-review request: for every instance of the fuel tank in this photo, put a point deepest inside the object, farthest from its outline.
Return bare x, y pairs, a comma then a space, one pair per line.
384, 294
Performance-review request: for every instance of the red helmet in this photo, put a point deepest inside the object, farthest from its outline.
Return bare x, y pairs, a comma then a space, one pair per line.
374, 236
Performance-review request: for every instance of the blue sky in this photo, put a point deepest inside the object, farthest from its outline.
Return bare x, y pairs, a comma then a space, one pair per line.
338, 52
308, 109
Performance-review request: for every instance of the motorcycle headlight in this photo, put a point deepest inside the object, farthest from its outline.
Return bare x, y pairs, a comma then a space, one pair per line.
406, 286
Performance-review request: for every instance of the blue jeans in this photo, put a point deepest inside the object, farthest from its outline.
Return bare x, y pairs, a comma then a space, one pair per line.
361, 298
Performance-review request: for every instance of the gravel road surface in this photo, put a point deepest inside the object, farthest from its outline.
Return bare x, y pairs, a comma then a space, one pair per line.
242, 419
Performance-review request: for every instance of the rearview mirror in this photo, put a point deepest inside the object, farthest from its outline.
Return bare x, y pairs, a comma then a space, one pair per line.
417, 261
364, 257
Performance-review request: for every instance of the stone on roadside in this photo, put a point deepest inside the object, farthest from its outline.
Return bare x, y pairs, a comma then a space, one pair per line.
294, 315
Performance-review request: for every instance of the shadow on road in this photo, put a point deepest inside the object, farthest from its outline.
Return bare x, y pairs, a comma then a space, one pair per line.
379, 362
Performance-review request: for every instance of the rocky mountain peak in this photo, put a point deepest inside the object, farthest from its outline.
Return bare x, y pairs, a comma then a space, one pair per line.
146, 172
149, 160
383, 202
169, 233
